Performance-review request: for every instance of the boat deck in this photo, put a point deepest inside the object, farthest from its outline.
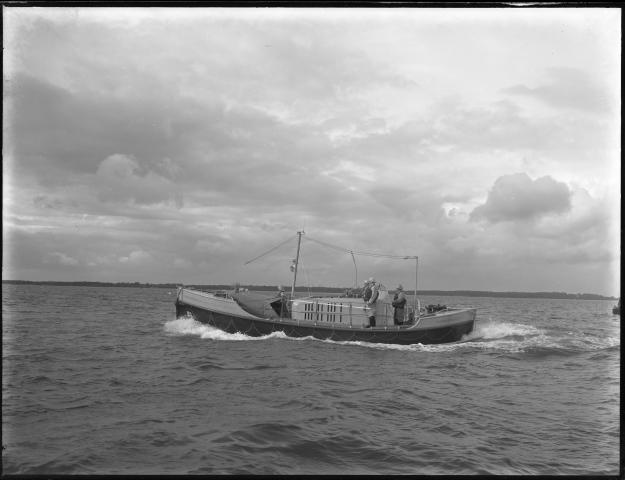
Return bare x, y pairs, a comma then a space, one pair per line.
254, 305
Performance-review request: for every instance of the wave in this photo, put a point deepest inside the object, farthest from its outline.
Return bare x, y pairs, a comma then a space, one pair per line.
494, 330
482, 337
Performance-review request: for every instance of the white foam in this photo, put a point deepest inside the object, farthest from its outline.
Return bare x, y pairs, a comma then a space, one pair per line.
189, 326
486, 335
591, 343
493, 330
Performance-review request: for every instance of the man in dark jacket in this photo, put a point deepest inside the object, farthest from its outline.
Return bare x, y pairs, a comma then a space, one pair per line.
399, 302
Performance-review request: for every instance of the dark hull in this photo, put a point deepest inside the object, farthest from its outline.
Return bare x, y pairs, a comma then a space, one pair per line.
259, 327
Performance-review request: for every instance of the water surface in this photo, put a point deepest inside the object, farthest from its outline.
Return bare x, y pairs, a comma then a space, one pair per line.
105, 380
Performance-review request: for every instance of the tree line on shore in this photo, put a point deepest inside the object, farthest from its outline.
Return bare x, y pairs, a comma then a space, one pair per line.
460, 293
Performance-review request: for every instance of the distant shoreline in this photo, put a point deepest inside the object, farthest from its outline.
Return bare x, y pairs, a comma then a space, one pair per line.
450, 293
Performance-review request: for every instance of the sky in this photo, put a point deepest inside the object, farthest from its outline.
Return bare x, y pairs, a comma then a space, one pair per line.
175, 144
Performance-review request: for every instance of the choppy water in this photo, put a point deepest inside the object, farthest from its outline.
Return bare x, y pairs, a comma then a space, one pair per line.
107, 381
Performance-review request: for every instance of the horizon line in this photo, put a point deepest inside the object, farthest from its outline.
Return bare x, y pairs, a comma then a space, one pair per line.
219, 285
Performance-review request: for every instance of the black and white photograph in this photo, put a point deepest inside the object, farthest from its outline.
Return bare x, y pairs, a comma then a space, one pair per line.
269, 239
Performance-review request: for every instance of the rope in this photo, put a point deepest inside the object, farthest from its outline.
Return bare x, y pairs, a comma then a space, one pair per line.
366, 254
269, 251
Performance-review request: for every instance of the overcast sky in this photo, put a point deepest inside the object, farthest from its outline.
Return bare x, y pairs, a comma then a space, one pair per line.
173, 145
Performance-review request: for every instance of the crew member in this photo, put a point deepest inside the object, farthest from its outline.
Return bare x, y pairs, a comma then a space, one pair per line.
366, 290
399, 302
375, 291
284, 306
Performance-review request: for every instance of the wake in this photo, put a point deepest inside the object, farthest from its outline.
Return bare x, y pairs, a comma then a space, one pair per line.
490, 336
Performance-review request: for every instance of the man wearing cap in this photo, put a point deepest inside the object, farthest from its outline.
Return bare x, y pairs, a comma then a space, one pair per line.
399, 302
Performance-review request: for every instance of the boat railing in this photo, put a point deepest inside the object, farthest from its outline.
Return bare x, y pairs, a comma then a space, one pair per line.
354, 314
319, 311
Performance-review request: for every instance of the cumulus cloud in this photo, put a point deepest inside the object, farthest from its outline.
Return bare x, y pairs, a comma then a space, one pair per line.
55, 131
518, 197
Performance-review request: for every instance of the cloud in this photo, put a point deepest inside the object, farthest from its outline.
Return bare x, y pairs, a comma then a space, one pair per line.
518, 197
567, 88
57, 131
61, 259
119, 179
136, 257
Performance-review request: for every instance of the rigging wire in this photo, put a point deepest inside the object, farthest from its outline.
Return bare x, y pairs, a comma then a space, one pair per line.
366, 254
269, 251
340, 249
305, 271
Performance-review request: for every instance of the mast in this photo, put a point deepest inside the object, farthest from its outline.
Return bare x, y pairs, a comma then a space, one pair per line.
355, 269
299, 240
416, 276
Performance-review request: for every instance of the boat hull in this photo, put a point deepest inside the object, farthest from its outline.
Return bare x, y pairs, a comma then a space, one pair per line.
225, 316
